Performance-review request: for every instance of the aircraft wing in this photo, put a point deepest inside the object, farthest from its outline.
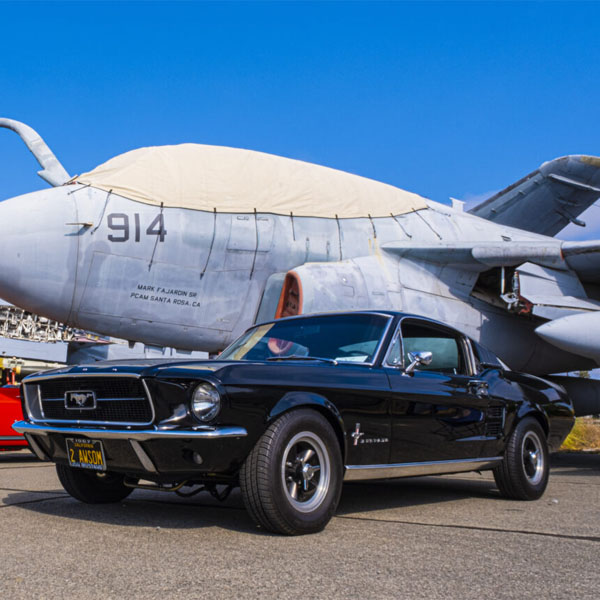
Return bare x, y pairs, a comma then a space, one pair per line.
581, 257
550, 286
548, 199
584, 259
482, 255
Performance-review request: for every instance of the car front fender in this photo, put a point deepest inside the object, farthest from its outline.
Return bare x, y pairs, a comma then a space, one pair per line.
293, 400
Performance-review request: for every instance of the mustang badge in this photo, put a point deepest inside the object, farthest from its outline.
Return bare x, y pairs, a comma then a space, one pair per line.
357, 436
80, 400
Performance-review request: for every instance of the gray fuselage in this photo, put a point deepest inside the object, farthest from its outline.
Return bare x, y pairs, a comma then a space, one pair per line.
195, 280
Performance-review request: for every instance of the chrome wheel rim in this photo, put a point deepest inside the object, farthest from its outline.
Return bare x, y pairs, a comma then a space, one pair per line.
305, 471
533, 457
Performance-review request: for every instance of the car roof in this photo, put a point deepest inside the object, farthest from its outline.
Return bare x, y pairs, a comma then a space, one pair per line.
386, 313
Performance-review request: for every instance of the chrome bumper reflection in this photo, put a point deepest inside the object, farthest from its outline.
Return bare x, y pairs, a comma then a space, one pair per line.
125, 434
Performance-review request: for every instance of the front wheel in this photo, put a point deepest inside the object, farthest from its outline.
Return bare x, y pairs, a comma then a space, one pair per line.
523, 474
292, 480
92, 487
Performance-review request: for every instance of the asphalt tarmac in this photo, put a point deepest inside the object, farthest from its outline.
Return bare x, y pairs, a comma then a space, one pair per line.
436, 537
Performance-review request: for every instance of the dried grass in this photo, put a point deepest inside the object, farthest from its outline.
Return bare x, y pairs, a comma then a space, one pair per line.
585, 436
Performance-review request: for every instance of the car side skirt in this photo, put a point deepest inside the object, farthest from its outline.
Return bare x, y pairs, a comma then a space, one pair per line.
438, 467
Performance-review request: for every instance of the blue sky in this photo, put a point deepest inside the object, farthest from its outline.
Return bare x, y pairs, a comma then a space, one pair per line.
444, 99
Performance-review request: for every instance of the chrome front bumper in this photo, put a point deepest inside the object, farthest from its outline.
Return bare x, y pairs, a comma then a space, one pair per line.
132, 434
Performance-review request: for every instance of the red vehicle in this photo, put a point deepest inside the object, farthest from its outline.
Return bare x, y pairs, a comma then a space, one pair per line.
10, 411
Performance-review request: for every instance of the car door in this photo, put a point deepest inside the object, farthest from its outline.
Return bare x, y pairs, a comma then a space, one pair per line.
438, 410
504, 396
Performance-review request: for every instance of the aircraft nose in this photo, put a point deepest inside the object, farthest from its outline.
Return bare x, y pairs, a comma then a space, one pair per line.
38, 252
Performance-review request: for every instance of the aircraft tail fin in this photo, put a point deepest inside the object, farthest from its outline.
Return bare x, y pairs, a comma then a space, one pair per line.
548, 199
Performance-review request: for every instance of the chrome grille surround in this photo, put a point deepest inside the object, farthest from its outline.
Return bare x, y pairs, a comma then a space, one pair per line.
121, 399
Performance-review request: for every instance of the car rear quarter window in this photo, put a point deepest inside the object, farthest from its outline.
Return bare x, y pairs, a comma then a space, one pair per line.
483, 356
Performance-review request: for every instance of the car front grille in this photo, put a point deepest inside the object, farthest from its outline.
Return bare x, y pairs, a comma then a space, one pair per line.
119, 400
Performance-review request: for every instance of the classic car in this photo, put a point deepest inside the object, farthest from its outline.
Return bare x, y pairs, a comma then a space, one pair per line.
10, 411
292, 409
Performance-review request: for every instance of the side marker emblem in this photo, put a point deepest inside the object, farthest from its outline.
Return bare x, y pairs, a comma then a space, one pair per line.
356, 434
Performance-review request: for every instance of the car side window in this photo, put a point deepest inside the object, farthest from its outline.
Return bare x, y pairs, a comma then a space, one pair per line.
447, 348
484, 357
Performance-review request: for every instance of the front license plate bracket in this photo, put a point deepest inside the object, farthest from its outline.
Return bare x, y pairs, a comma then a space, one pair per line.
86, 454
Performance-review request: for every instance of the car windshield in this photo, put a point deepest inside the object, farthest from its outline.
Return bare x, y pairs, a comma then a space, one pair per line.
343, 338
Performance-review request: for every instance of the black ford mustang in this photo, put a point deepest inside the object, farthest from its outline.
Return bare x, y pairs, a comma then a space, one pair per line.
293, 408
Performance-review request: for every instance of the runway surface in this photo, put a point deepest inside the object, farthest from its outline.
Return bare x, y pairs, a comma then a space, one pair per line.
436, 537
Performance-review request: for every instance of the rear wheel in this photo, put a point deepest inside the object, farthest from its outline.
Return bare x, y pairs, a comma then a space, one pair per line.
292, 480
523, 474
92, 487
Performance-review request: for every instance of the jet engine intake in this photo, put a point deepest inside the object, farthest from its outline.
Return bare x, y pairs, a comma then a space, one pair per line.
357, 284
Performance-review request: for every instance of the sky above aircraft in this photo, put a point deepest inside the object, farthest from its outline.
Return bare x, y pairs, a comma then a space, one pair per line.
442, 99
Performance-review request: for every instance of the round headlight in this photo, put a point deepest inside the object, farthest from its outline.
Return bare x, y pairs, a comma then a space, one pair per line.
206, 402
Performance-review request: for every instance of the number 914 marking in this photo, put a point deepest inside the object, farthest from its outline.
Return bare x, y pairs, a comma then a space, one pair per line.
119, 222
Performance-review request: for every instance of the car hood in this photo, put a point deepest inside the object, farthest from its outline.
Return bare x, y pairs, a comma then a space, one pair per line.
226, 372
141, 367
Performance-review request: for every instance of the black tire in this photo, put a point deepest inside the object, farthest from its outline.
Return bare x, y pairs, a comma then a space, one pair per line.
91, 487
299, 454
523, 474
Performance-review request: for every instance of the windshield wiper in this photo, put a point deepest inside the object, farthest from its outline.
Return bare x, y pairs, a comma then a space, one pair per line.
296, 357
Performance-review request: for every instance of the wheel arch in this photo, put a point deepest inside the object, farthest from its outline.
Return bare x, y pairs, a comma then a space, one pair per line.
295, 400
538, 415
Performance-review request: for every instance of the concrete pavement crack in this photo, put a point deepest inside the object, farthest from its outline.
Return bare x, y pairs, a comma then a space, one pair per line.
570, 483
33, 501
3, 489
38, 466
585, 538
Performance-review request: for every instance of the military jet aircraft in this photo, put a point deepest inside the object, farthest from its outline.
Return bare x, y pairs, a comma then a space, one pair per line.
188, 245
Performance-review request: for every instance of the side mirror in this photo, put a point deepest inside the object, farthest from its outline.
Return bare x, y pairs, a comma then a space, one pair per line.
417, 359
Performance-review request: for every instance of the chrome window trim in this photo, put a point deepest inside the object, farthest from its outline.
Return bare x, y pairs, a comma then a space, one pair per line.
436, 467
390, 319
386, 362
464, 342
332, 313
382, 339
468, 350
218, 432
86, 421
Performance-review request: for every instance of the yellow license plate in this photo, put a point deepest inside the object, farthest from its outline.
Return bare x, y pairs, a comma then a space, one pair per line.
86, 454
